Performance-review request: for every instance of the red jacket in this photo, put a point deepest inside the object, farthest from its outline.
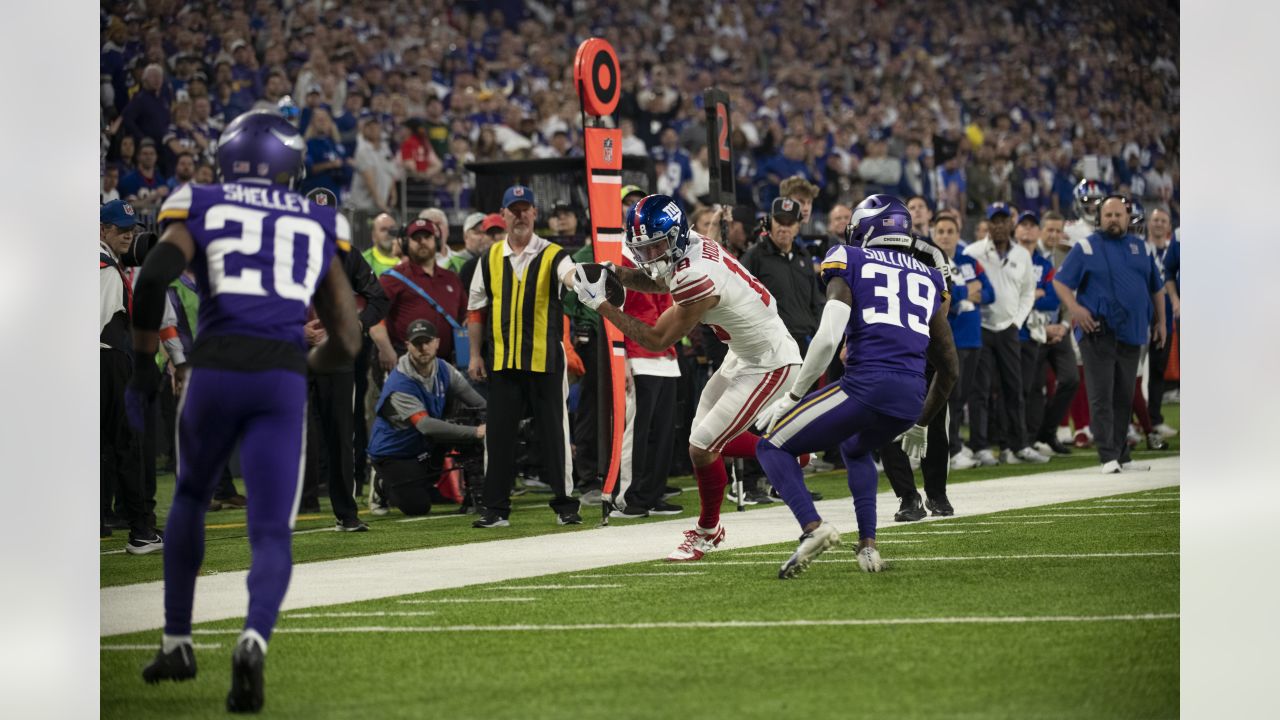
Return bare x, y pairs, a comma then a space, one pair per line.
645, 307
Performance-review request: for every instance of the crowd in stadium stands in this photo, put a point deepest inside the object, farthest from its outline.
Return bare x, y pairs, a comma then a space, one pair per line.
957, 106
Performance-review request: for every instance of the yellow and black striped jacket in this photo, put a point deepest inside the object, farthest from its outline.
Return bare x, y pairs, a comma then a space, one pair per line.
526, 317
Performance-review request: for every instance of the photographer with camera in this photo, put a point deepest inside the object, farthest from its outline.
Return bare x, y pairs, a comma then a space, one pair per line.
120, 452
1112, 286
410, 435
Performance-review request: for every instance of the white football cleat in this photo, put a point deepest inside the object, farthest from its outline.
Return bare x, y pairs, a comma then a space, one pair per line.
1111, 467
963, 462
965, 451
986, 458
696, 544
1008, 458
812, 544
869, 560
1165, 431
1028, 454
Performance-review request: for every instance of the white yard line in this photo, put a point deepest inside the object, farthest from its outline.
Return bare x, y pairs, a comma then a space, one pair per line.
131, 608
371, 613
1084, 513
587, 586
466, 600
640, 574
959, 558
1108, 501
896, 533
420, 518
724, 624
153, 647
966, 523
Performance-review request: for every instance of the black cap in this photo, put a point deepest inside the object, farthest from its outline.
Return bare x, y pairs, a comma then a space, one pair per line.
420, 329
785, 208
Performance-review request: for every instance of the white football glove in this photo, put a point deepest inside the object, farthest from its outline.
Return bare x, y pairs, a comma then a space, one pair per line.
915, 442
592, 294
776, 411
965, 306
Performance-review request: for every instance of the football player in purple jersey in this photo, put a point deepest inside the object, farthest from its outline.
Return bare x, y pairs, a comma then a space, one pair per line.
888, 297
260, 252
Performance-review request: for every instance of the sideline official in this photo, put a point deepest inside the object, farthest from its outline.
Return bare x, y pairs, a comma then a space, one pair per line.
516, 319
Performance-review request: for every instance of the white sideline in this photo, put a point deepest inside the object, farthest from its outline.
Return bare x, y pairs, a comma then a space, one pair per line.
720, 624
131, 608
152, 647
423, 601
371, 613
1038, 556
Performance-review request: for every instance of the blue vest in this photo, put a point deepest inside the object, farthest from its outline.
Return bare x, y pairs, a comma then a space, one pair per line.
389, 442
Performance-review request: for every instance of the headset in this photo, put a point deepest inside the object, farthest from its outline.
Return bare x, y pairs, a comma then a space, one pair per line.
1097, 209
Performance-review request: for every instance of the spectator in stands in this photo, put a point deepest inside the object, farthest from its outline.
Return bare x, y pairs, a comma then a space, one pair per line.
880, 172
326, 157
921, 215
1009, 267
1113, 307
418, 156
419, 276
184, 171
183, 136
525, 365
145, 188
563, 224
384, 253
373, 186
110, 181
803, 192
411, 433
147, 114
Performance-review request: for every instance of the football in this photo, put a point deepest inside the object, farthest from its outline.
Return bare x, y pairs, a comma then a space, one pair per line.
615, 294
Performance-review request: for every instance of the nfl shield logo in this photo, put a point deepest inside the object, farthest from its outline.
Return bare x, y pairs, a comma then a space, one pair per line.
263, 168
128, 209
322, 199
518, 192
608, 150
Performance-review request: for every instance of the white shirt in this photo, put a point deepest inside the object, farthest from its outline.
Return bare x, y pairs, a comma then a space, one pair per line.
1013, 279
479, 299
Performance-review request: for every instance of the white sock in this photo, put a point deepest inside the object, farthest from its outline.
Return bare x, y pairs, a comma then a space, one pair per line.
251, 634
169, 643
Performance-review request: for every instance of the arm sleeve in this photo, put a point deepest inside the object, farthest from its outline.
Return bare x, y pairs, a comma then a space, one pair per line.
460, 389
835, 318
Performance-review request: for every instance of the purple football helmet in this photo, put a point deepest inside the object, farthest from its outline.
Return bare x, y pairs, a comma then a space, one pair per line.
261, 146
880, 221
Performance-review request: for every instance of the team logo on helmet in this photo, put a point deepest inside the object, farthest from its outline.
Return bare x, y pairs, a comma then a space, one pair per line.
264, 168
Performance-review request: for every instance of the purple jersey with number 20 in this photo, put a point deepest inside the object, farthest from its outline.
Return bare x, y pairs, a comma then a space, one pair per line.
894, 297
261, 252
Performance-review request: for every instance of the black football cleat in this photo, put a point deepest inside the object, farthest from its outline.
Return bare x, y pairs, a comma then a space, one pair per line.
246, 695
910, 510
178, 665
940, 506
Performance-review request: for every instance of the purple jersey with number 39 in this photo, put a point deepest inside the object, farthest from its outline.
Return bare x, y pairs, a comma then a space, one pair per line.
261, 252
894, 297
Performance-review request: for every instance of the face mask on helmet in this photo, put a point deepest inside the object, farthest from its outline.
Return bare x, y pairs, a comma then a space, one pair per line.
1088, 195
657, 235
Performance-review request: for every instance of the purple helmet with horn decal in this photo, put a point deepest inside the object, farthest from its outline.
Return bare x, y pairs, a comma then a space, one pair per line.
261, 146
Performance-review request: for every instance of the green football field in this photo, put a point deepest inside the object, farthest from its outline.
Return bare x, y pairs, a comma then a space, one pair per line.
1066, 610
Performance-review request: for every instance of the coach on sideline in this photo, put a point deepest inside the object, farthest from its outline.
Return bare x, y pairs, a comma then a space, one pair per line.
1110, 283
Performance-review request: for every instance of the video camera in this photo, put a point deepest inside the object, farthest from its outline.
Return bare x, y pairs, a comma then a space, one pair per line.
138, 249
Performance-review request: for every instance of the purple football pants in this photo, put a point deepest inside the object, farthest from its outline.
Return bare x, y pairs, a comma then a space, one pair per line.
824, 418
266, 412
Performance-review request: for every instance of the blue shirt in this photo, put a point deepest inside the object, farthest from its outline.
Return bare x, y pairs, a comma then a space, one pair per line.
1115, 278
966, 325
1170, 259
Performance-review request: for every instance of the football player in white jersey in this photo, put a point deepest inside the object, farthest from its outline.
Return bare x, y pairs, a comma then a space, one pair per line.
1088, 195
707, 285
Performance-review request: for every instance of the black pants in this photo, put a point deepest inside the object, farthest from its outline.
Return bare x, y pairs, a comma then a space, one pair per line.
330, 451
119, 448
651, 439
1157, 363
1110, 371
1001, 365
960, 394
409, 484
1060, 358
934, 466
1033, 386
513, 395
359, 459
587, 464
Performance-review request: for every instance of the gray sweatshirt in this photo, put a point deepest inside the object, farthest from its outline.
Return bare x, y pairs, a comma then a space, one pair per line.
401, 407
